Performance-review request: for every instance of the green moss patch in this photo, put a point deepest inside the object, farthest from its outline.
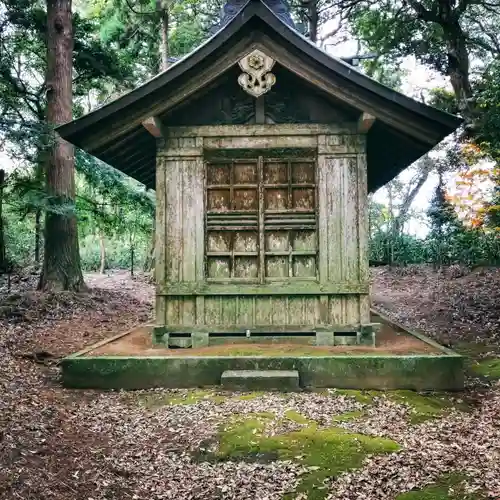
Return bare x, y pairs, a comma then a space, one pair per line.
249, 396
425, 407
190, 397
295, 416
489, 368
323, 452
448, 487
349, 415
364, 397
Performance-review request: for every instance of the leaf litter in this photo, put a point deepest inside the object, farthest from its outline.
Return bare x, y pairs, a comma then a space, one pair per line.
64, 444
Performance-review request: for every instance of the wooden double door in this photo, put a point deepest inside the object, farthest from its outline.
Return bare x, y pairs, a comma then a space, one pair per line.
261, 219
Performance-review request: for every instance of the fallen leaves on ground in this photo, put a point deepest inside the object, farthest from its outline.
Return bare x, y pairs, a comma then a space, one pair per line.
63, 444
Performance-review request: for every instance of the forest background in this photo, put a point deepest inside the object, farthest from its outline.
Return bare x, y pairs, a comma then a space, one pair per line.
110, 46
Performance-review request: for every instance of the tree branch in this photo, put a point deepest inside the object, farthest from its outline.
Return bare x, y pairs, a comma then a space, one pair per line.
138, 12
423, 13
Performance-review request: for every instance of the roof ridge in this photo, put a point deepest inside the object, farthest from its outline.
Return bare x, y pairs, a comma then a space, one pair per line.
231, 8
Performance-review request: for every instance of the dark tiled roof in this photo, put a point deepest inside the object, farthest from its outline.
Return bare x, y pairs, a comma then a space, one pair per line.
232, 7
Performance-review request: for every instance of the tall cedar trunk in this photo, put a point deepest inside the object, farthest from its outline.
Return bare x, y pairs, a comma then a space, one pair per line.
103, 253
61, 264
3, 256
164, 21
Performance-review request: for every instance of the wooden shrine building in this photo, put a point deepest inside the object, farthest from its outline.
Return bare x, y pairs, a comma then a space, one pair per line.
262, 149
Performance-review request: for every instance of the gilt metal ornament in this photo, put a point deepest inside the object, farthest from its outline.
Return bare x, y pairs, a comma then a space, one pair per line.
257, 78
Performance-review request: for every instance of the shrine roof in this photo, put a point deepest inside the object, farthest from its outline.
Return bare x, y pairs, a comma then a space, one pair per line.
405, 129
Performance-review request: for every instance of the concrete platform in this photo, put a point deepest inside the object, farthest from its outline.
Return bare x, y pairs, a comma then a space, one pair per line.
260, 380
404, 360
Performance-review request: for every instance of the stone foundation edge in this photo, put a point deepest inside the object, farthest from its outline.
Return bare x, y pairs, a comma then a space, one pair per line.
420, 373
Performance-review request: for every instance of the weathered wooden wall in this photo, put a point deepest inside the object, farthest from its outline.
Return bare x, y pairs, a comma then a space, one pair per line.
186, 300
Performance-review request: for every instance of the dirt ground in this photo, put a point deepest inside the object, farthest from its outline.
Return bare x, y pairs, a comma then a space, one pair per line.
139, 343
88, 445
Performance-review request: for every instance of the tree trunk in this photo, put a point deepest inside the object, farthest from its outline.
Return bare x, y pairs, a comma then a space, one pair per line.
38, 234
3, 256
149, 263
61, 264
458, 70
390, 240
448, 14
103, 253
164, 22
313, 19
399, 221
131, 260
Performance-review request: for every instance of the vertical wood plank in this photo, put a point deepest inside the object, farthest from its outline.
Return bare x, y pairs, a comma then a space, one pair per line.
262, 250
212, 310
171, 221
188, 316
172, 306
295, 310
335, 306
160, 224
364, 309
188, 240
324, 313
323, 240
200, 310
350, 253
334, 181
363, 223
245, 315
263, 310
278, 311
199, 216
311, 311
352, 310
228, 316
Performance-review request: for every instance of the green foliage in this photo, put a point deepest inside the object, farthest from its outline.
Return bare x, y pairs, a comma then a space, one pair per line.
449, 240
394, 30
19, 238
443, 99
488, 136
114, 211
133, 28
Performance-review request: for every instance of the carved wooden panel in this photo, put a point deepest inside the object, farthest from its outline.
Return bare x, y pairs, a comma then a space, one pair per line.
261, 219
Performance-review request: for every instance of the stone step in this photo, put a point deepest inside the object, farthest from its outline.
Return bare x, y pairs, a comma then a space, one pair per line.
263, 380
